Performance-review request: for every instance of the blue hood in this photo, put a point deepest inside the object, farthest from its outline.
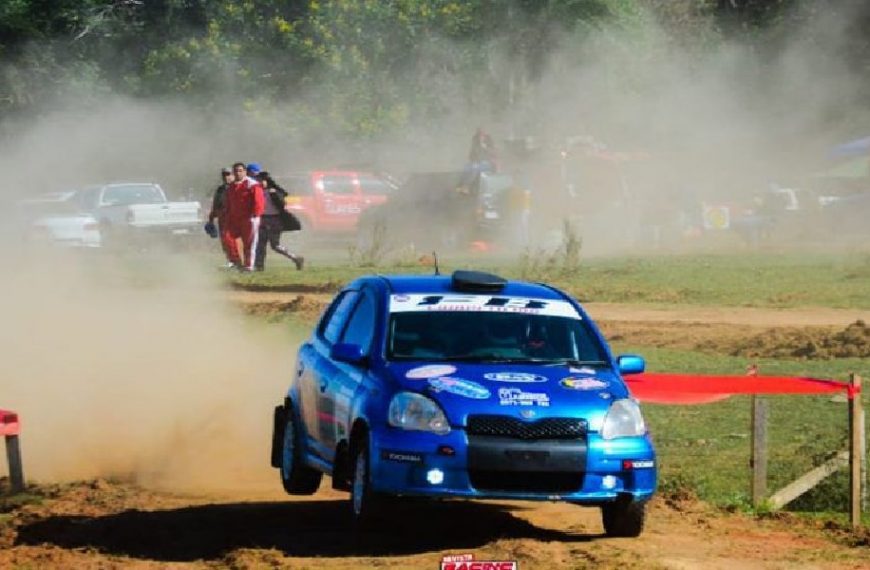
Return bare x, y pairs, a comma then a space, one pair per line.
509, 389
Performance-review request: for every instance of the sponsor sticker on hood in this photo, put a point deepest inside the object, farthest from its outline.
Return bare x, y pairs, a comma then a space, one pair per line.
514, 377
430, 371
574, 383
459, 387
582, 370
517, 397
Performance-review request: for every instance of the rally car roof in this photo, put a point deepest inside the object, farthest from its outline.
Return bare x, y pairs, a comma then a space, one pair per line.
445, 284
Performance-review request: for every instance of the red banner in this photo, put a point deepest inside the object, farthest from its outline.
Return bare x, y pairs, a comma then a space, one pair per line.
657, 388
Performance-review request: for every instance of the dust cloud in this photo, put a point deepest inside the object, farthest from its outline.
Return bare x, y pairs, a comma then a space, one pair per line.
627, 129
163, 384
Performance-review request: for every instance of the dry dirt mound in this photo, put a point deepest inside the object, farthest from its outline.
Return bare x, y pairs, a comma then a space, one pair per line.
851, 342
305, 307
812, 342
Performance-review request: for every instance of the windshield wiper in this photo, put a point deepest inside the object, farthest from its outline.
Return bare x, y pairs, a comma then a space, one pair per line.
574, 362
478, 358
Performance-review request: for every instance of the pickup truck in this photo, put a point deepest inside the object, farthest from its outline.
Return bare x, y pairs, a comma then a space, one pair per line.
136, 210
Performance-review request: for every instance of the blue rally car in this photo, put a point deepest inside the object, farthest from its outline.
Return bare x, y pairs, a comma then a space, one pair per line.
465, 386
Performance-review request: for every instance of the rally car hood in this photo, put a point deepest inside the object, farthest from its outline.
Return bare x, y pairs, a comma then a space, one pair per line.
524, 391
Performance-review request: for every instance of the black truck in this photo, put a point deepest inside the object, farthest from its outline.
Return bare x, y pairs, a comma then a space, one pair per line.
444, 210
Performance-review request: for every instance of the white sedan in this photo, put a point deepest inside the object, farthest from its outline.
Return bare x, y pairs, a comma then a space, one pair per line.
55, 218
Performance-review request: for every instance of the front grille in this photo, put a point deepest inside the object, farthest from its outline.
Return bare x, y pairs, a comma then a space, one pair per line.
526, 481
545, 428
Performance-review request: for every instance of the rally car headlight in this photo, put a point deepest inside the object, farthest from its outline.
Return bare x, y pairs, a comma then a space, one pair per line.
623, 419
415, 411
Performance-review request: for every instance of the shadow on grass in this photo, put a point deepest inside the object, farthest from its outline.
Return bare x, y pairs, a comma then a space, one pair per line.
311, 528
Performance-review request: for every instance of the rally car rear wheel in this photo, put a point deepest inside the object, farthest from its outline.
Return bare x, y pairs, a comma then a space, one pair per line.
297, 478
623, 518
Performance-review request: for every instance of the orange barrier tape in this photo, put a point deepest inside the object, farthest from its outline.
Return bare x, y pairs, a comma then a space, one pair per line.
699, 389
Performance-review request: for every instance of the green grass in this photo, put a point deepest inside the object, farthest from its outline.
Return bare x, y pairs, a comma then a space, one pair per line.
707, 447
752, 280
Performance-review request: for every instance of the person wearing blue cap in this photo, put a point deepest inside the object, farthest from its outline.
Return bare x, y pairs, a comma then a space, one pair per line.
254, 169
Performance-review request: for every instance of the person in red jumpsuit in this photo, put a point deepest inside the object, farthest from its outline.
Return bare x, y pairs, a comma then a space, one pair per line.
243, 206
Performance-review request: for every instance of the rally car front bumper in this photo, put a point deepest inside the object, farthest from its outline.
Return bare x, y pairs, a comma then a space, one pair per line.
588, 470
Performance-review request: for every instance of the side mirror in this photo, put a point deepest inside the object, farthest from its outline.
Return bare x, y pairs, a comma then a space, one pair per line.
630, 364
346, 352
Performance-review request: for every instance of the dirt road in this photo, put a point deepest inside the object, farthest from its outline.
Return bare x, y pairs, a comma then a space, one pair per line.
110, 525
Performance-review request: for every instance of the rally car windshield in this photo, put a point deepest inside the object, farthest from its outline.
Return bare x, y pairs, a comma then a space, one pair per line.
473, 336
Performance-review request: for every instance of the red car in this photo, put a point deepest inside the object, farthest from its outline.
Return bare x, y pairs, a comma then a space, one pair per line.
331, 201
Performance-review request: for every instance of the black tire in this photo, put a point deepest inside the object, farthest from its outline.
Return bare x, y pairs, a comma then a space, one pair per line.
296, 477
363, 503
623, 518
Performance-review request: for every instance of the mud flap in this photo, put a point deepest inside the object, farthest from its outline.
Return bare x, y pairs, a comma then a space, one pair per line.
277, 436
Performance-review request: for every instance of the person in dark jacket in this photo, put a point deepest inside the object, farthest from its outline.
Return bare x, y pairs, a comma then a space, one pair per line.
216, 214
276, 219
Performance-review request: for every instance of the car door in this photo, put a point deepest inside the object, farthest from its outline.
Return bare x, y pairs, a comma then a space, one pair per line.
374, 190
339, 201
317, 372
336, 400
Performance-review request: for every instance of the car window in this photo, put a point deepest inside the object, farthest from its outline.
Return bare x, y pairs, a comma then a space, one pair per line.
334, 321
445, 335
361, 326
338, 185
132, 194
374, 185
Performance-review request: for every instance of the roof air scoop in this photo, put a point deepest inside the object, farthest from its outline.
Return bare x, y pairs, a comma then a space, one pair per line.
477, 281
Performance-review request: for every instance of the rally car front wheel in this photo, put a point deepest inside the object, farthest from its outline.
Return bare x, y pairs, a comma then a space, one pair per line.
364, 503
623, 518
297, 478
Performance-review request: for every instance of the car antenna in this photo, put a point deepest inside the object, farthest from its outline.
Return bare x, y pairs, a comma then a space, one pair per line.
435, 261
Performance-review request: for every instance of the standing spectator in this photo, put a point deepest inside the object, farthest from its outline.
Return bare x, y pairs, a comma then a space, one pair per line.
482, 154
276, 219
243, 207
481, 158
216, 214
519, 208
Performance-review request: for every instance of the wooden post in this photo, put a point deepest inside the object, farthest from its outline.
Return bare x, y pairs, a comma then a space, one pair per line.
862, 432
856, 457
758, 459
13, 456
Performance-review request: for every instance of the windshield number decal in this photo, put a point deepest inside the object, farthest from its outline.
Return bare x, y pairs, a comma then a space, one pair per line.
481, 303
